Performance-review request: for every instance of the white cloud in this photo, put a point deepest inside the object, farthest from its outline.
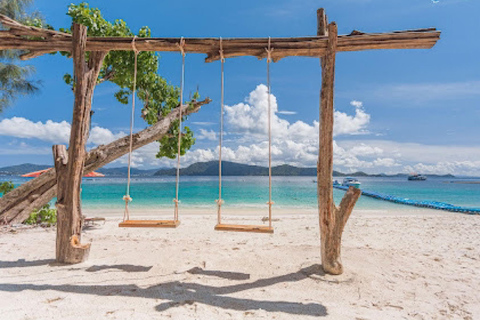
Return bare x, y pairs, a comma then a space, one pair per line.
99, 135
386, 162
286, 112
207, 135
55, 132
346, 124
251, 119
50, 131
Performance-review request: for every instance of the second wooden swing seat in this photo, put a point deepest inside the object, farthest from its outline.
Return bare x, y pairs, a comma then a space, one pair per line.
127, 223
237, 227
149, 224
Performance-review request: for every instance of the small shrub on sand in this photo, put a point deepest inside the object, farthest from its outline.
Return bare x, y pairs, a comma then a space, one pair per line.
45, 215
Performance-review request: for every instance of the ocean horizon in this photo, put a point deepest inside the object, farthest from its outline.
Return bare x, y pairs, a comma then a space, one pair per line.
252, 192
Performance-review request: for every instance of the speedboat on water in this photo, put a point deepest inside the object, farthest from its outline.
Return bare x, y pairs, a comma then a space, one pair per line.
417, 177
351, 182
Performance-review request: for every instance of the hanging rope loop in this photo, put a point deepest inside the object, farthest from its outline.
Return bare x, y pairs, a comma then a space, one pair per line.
269, 50
134, 47
181, 46
222, 57
127, 198
219, 201
270, 202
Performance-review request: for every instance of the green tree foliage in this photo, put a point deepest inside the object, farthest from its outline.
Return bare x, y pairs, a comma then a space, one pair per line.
6, 187
45, 215
157, 96
14, 78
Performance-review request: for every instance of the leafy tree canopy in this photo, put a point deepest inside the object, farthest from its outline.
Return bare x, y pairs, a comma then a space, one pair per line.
14, 80
156, 94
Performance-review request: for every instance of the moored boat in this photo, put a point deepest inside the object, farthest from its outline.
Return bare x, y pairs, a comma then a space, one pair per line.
417, 177
351, 182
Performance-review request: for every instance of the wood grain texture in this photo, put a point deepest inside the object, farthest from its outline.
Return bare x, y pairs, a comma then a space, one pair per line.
149, 224
244, 228
50, 41
332, 220
69, 167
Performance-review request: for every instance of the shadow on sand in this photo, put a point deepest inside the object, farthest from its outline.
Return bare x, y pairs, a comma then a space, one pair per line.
22, 263
180, 293
123, 267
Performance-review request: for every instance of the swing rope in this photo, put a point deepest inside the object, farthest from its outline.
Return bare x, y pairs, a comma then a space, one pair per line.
220, 201
181, 45
126, 197
270, 202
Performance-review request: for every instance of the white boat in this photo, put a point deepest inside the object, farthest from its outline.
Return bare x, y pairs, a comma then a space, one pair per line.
417, 177
351, 182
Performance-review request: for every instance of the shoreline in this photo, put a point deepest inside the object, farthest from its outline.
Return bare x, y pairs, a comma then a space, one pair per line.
397, 265
257, 213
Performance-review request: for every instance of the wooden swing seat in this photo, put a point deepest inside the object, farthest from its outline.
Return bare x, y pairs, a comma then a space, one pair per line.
149, 224
243, 228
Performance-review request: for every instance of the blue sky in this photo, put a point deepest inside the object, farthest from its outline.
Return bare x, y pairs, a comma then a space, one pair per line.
397, 110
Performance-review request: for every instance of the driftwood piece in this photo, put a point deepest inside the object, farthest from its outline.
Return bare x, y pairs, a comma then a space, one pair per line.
17, 205
69, 169
332, 219
51, 41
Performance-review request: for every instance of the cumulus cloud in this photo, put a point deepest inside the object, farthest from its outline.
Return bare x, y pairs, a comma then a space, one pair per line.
55, 132
207, 135
347, 124
50, 131
251, 118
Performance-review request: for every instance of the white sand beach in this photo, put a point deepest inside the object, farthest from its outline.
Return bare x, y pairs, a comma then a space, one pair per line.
417, 264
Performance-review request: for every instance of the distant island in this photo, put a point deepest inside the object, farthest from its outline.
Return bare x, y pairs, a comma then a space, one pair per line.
210, 168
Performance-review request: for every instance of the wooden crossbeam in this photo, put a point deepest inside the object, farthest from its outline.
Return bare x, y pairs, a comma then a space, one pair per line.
45, 41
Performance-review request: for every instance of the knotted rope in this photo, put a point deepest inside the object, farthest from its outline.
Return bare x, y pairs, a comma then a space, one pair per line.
126, 197
181, 46
270, 202
222, 94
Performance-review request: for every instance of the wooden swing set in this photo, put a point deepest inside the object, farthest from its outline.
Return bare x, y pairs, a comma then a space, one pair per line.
69, 165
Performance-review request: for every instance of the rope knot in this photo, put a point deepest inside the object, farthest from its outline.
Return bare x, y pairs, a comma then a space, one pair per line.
222, 57
270, 203
176, 201
219, 202
181, 46
269, 51
127, 198
134, 47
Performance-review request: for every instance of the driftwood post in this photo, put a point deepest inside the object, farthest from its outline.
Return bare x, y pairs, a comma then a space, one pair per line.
332, 219
69, 167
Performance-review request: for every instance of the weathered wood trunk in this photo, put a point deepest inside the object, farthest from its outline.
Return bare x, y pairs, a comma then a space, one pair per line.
69, 168
69, 222
17, 205
332, 219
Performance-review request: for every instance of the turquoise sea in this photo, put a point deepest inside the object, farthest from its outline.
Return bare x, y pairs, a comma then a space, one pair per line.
288, 192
